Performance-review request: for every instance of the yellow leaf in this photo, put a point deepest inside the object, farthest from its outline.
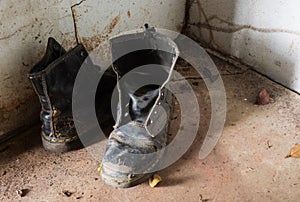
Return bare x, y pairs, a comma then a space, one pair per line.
100, 167
153, 181
295, 151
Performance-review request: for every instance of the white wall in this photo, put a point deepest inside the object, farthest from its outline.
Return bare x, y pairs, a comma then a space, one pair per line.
264, 34
26, 25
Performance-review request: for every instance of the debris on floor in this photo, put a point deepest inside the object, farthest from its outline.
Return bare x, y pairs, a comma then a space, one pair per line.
3, 172
263, 97
154, 180
22, 192
294, 152
67, 193
201, 199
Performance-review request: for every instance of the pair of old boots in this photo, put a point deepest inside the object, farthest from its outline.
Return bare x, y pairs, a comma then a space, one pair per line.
142, 64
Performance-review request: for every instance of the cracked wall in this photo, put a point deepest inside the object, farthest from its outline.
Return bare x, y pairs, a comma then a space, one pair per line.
264, 34
26, 26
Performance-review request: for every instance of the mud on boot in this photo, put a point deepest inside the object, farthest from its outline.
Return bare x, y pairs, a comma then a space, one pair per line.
143, 62
53, 79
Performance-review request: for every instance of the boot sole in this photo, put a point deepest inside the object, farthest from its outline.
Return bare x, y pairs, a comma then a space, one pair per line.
61, 147
126, 184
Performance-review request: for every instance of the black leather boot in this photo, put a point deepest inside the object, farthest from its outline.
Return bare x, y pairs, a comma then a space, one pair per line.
144, 107
53, 80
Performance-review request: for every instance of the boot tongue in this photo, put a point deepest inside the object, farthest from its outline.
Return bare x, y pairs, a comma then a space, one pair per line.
141, 102
141, 59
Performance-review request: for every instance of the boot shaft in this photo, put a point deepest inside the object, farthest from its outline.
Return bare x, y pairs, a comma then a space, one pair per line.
144, 63
53, 79
53, 51
148, 57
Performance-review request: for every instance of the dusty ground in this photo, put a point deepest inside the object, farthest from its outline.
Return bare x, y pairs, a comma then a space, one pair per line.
248, 163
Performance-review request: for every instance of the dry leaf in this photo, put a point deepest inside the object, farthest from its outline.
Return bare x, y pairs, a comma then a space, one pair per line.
153, 181
295, 151
100, 167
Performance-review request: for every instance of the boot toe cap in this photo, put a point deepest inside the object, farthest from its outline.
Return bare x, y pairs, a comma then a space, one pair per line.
128, 162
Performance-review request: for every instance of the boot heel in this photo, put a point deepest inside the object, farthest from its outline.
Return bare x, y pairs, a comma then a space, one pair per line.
61, 147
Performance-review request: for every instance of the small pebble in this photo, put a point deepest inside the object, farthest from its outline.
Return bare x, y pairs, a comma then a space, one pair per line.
4, 173
67, 193
263, 97
22, 192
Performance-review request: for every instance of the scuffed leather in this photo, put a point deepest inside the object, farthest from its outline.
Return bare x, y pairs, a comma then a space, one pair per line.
123, 163
53, 80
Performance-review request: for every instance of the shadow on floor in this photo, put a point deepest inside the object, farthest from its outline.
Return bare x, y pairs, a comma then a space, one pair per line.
240, 104
28, 140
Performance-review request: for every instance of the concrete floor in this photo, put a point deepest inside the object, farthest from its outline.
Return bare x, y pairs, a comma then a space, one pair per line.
248, 164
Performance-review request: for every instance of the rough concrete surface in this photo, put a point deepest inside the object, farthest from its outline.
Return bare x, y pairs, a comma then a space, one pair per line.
248, 163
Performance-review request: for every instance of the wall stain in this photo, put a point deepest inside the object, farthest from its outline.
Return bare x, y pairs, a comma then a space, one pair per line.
179, 28
278, 63
93, 41
15, 32
291, 47
36, 21
112, 24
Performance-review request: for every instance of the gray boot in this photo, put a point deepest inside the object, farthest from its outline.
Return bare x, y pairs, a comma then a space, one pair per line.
144, 107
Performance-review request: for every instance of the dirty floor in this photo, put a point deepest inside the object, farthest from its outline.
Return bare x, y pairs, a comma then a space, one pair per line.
248, 163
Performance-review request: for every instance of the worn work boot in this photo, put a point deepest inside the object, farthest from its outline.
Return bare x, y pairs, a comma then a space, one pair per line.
53, 80
144, 107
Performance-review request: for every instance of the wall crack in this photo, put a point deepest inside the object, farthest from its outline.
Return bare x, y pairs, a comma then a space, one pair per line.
202, 78
232, 28
36, 21
186, 20
211, 41
15, 32
75, 19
